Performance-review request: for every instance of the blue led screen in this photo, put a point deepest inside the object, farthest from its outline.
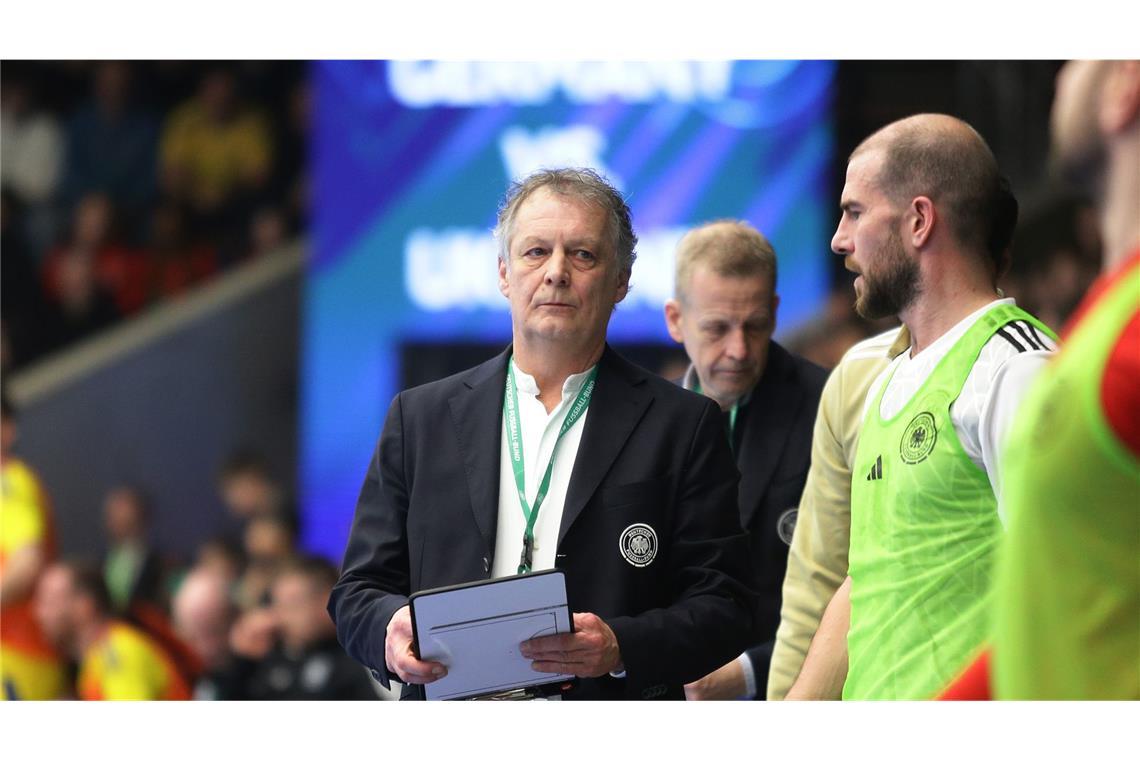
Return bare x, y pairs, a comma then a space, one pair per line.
409, 161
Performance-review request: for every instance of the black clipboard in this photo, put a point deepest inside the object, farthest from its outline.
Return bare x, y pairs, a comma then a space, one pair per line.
475, 628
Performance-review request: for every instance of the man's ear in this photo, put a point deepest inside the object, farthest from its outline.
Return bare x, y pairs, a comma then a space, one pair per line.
775, 309
622, 288
921, 220
504, 283
1120, 97
673, 320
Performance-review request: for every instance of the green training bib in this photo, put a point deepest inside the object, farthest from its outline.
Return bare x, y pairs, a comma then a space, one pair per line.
1067, 614
924, 528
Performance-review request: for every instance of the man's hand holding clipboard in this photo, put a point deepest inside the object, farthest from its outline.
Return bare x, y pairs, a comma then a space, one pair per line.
591, 651
488, 638
400, 656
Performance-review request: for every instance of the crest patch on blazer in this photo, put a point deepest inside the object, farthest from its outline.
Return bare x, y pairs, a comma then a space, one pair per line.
638, 544
786, 525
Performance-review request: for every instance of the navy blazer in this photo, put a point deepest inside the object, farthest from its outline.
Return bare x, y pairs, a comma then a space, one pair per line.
773, 453
650, 453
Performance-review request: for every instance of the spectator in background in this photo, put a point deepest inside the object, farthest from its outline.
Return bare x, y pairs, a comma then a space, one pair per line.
26, 314
5, 347
216, 157
289, 186
63, 188
132, 569
267, 232
116, 660
220, 556
1057, 285
31, 157
269, 544
117, 269
304, 660
248, 489
1056, 258
29, 668
168, 83
177, 263
112, 146
82, 306
203, 614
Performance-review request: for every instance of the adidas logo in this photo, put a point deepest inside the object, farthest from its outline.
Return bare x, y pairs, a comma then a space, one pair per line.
876, 472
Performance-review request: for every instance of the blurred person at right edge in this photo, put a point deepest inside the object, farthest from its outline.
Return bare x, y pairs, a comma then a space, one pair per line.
29, 668
117, 661
926, 224
1067, 587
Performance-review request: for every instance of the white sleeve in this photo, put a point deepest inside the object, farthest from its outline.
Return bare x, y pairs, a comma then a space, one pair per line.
749, 676
1008, 389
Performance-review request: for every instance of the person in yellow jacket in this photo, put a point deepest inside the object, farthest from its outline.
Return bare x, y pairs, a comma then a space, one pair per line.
29, 668
116, 660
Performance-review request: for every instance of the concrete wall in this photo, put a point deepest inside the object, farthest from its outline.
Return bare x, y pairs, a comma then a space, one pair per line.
161, 401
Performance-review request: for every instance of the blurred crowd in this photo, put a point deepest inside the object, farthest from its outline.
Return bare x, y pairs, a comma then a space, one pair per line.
124, 184
244, 618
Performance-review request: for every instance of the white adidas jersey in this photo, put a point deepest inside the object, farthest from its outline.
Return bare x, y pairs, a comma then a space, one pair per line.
994, 388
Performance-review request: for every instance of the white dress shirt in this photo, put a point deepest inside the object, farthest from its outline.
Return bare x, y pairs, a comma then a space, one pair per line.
997, 383
538, 432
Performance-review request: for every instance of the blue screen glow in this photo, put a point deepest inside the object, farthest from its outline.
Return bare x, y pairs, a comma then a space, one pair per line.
410, 160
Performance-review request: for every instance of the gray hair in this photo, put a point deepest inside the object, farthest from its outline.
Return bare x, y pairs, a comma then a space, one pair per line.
581, 184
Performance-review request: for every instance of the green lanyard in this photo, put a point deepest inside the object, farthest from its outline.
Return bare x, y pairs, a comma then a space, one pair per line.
731, 419
514, 440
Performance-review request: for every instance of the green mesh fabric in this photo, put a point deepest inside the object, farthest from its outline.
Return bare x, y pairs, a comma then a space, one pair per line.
924, 530
1067, 615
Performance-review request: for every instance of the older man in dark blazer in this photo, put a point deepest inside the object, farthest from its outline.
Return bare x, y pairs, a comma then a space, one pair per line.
639, 503
724, 312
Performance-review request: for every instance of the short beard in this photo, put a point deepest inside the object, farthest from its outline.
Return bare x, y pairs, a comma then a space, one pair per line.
894, 286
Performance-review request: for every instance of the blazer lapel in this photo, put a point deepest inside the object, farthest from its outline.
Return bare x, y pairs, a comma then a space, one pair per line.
615, 410
477, 412
774, 406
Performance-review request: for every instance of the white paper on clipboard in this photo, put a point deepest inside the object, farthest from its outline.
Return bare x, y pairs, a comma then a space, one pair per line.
475, 631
